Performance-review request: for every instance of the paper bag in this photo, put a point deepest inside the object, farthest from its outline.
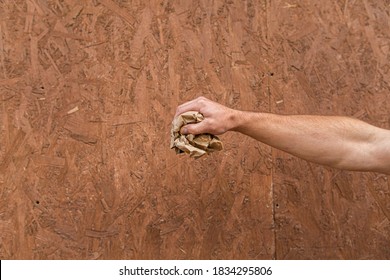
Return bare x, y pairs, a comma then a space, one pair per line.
194, 145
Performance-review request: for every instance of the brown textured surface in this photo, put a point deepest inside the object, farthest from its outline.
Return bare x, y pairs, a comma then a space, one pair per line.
335, 61
88, 88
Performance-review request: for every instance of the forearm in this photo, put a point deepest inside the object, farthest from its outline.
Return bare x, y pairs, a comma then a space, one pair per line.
340, 142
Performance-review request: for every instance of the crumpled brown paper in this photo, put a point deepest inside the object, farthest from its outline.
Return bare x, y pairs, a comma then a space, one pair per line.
195, 145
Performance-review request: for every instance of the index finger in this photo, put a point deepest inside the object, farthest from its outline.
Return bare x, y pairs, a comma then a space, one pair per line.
192, 105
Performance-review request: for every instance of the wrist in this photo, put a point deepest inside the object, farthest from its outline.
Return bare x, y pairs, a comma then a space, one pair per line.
237, 120
245, 122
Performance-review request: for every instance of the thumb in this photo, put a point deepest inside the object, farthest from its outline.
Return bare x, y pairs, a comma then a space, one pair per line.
196, 128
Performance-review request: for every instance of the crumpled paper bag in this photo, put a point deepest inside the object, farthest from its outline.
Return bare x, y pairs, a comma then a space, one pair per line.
195, 145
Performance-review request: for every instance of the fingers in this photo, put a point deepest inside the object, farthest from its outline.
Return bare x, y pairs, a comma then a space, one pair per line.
199, 104
193, 105
196, 128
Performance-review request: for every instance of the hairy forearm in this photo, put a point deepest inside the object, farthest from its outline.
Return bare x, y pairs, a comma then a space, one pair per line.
339, 142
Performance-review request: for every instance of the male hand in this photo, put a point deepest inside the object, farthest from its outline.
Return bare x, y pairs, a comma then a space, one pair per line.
217, 118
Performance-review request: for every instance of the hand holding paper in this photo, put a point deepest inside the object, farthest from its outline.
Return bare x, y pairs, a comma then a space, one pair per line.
195, 145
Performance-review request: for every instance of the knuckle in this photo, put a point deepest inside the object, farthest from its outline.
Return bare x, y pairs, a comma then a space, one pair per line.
211, 122
202, 99
202, 102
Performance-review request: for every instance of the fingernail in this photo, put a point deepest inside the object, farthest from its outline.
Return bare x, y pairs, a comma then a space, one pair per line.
184, 130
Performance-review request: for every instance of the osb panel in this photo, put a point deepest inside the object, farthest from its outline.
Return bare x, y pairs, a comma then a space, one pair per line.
334, 60
88, 91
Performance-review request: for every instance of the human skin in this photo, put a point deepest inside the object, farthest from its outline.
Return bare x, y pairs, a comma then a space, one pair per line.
340, 142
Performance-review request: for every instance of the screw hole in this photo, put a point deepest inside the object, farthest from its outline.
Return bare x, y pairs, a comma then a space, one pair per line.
37, 202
